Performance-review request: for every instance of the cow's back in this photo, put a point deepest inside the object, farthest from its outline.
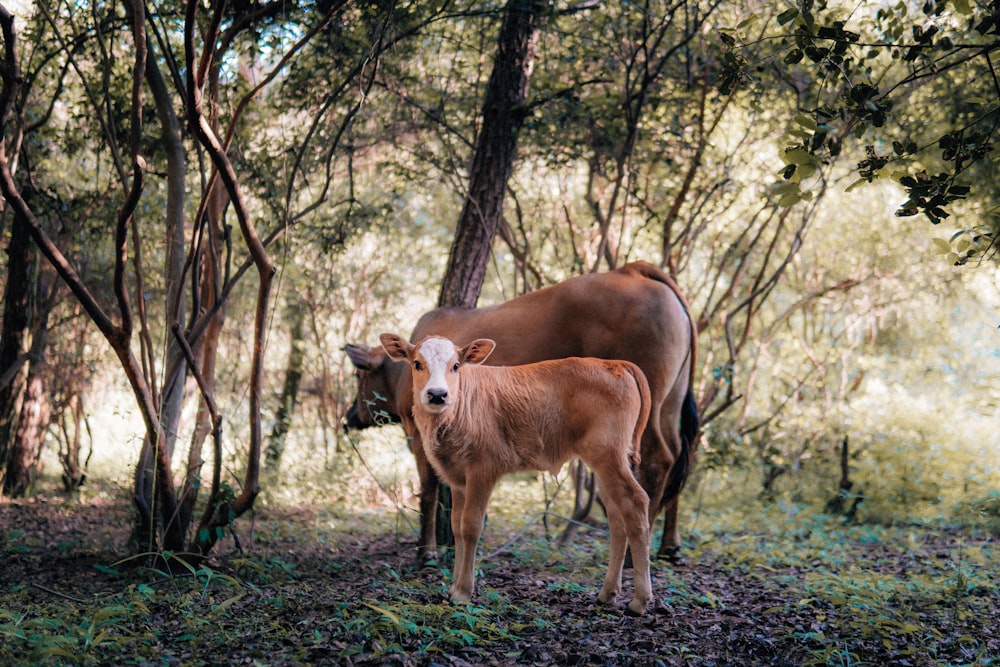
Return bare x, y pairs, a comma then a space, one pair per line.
621, 314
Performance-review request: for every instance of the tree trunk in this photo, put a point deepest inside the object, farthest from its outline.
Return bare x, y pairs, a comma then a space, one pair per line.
206, 349
172, 138
73, 420
504, 110
289, 393
15, 337
35, 414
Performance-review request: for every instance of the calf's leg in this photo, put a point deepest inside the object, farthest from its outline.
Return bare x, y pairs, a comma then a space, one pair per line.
457, 512
616, 557
627, 506
636, 518
467, 515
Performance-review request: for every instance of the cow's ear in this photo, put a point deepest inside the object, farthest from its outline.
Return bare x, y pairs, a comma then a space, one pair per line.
363, 357
397, 347
477, 351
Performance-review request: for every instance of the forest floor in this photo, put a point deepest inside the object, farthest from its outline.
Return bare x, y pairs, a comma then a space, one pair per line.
307, 587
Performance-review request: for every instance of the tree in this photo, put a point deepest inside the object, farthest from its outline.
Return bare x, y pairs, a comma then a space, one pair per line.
504, 110
165, 509
19, 390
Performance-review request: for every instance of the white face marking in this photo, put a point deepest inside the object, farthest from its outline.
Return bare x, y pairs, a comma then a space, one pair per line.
438, 358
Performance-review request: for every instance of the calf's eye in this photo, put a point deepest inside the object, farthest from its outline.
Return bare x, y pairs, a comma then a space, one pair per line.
417, 366
454, 369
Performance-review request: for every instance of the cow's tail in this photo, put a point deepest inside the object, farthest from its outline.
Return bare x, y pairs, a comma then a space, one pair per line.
645, 405
690, 423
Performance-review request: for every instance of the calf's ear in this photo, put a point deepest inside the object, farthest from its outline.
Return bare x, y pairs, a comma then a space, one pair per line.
397, 347
477, 351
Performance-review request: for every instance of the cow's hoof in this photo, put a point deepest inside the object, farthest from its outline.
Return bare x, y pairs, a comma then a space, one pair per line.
671, 556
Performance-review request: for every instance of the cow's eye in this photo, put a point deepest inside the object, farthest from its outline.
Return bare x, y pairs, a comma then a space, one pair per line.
454, 369
417, 366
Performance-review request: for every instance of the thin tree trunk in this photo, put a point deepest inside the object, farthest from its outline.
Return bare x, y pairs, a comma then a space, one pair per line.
172, 392
289, 392
73, 475
504, 110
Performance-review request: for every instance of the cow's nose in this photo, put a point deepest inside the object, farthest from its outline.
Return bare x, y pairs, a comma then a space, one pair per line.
437, 396
352, 421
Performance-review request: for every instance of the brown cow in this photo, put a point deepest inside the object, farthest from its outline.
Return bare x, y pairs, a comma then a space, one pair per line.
634, 313
478, 423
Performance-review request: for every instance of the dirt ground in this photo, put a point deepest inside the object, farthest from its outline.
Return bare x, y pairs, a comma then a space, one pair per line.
300, 595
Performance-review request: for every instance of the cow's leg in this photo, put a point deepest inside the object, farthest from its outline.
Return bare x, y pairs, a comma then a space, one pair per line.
427, 546
467, 515
654, 468
670, 542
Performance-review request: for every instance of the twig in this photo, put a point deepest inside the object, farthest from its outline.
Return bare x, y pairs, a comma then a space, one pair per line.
531, 522
57, 593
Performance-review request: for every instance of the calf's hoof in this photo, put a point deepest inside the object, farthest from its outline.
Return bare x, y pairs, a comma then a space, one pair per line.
607, 597
636, 608
459, 596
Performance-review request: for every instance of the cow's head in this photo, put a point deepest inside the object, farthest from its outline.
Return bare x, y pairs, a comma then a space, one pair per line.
435, 363
375, 403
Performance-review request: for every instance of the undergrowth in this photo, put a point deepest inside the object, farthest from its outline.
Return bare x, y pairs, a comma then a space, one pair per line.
763, 584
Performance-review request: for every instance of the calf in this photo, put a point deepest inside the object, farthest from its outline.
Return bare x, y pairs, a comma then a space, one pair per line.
479, 423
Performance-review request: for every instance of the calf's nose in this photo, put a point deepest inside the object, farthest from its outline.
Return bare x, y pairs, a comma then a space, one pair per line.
437, 396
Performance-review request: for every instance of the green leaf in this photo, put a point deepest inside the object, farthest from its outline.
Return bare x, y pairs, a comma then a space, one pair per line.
790, 199
225, 604
788, 16
794, 57
797, 156
855, 185
394, 618
806, 122
806, 170
941, 246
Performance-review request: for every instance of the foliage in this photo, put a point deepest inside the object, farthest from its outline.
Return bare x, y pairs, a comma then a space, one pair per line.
874, 76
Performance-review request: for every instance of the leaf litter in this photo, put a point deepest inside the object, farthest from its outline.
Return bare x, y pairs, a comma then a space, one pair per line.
306, 591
